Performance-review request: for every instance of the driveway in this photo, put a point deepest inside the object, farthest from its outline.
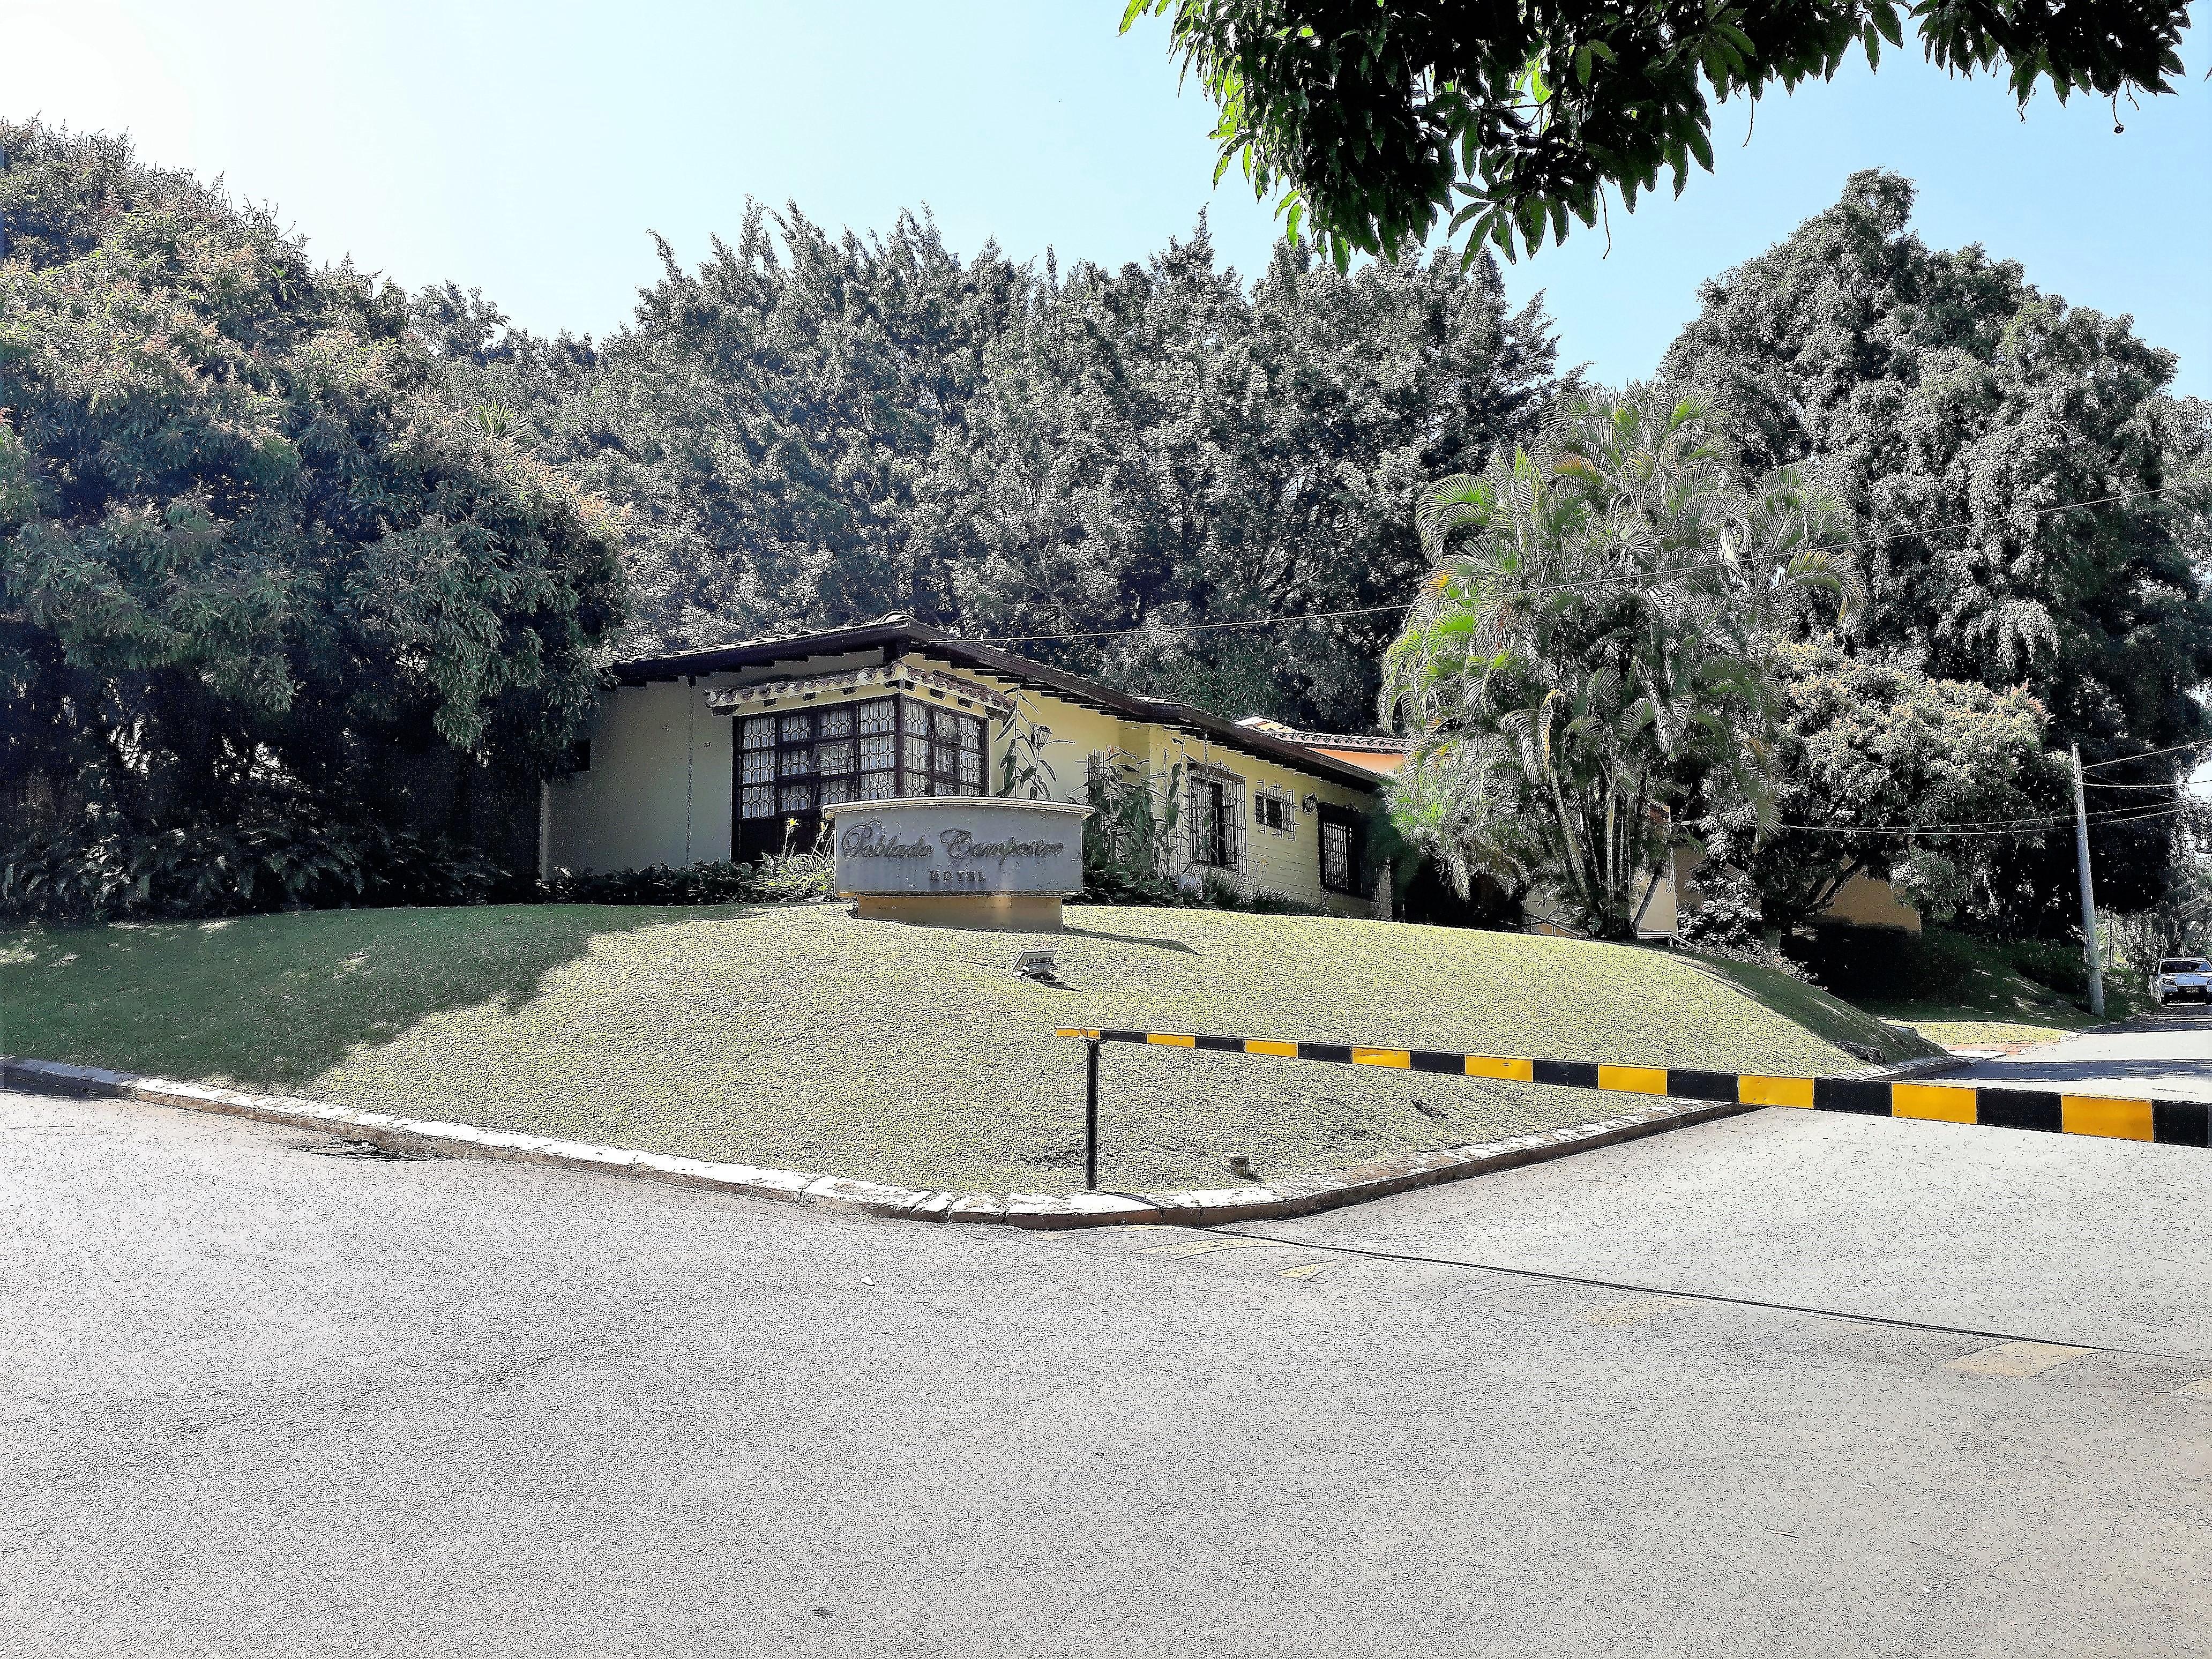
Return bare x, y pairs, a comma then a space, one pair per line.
2166, 1051
1780, 1385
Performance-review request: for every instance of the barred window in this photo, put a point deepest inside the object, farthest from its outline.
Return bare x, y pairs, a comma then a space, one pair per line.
1339, 850
1272, 810
1217, 820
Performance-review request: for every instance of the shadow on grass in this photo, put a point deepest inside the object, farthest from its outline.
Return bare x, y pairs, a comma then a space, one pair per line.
1128, 939
272, 1001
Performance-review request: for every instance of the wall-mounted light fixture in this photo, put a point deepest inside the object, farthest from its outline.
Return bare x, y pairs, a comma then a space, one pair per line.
1310, 804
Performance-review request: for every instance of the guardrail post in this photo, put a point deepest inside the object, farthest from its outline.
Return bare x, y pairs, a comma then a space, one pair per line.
1090, 1120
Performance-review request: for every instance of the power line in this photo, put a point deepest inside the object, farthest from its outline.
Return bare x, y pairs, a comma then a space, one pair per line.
2024, 827
2148, 753
1588, 584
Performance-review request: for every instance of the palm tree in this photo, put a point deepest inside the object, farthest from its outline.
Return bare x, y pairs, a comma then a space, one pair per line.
1586, 663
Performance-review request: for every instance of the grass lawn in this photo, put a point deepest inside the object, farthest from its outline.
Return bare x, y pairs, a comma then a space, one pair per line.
1964, 992
804, 1038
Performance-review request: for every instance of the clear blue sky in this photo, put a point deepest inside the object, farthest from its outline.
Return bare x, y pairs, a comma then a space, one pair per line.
527, 149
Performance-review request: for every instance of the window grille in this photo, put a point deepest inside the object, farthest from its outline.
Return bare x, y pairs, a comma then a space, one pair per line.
1339, 850
1216, 809
1273, 810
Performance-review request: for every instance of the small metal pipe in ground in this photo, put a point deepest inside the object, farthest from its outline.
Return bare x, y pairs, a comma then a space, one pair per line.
1090, 1120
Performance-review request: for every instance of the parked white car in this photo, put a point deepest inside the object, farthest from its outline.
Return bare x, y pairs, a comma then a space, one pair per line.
2181, 977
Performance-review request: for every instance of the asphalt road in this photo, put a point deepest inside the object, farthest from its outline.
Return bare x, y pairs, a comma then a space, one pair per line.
255, 1401
2166, 1051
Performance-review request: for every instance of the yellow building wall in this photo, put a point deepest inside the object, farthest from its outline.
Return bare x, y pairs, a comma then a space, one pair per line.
658, 791
1275, 861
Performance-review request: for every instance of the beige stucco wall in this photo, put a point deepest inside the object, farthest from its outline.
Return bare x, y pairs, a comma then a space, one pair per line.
1866, 901
659, 788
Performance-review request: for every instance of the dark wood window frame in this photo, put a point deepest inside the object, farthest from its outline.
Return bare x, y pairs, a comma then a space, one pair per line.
786, 776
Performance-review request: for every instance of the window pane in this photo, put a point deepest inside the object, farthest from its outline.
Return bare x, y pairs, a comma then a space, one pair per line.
876, 751
760, 765
759, 804
837, 722
760, 732
836, 789
971, 768
944, 760
917, 754
876, 786
797, 763
798, 797
833, 758
945, 725
795, 728
971, 733
878, 714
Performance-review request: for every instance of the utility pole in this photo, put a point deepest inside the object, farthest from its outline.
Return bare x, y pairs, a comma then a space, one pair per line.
2088, 892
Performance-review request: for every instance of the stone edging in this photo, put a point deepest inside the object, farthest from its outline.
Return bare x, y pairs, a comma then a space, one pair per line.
1298, 1195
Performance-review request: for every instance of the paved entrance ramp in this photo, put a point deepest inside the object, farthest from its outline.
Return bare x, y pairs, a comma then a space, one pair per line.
2054, 1239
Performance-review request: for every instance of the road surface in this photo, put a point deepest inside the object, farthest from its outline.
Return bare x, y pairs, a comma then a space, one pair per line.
2167, 1051
259, 1400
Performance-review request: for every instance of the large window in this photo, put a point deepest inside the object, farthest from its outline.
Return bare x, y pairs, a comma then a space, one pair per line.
790, 765
945, 751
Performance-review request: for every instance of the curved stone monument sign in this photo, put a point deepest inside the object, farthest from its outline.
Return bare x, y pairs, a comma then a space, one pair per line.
962, 861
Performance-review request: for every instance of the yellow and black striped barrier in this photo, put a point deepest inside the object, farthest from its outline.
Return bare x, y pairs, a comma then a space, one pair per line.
2168, 1122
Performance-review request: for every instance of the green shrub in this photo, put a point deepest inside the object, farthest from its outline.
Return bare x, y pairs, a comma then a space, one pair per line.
780, 879
291, 857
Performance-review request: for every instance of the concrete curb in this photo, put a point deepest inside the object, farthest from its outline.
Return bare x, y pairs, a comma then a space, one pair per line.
1298, 1195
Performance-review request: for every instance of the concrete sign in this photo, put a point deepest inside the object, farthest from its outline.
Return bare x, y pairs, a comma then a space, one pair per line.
1011, 861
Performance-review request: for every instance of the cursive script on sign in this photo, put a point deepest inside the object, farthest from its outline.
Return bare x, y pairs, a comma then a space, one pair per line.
959, 845
867, 839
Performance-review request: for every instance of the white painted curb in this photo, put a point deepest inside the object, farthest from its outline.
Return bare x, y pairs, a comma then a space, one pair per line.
1297, 1196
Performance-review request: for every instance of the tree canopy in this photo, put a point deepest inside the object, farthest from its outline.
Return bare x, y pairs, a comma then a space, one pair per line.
1372, 120
248, 546
2029, 501
815, 429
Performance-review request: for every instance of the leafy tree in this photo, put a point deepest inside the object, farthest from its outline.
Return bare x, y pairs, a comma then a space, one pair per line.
1371, 119
1158, 451
765, 421
811, 430
1965, 418
249, 549
1865, 742
1588, 665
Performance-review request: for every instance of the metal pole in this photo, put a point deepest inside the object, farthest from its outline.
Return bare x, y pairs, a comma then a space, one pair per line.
2089, 891
1091, 1120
